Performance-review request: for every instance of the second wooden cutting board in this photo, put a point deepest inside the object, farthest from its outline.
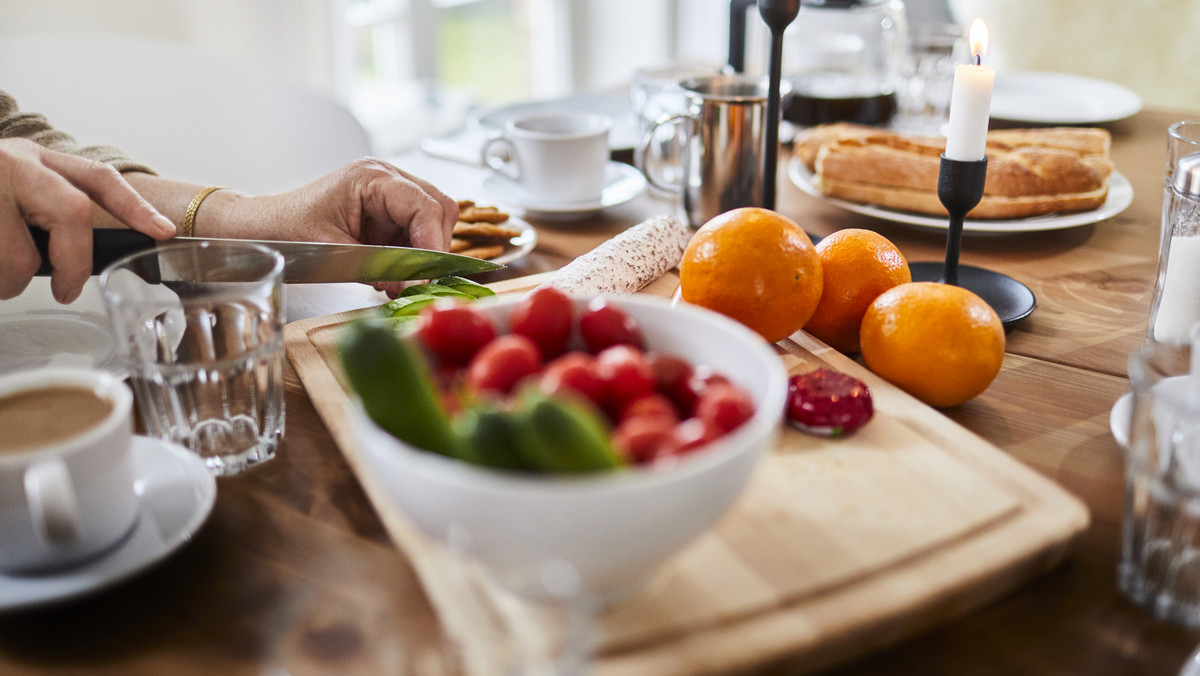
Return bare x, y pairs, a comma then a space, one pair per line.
837, 546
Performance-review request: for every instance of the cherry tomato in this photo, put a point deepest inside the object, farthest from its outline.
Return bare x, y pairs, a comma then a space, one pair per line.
454, 331
671, 375
544, 316
687, 436
603, 325
625, 374
701, 379
643, 438
651, 404
501, 363
724, 407
574, 371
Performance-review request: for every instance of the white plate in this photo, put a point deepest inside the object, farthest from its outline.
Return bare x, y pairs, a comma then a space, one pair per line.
36, 331
1058, 98
623, 184
177, 494
1120, 196
520, 245
623, 135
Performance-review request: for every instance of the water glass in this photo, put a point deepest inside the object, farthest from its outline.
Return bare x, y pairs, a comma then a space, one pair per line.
656, 93
1160, 547
201, 328
926, 77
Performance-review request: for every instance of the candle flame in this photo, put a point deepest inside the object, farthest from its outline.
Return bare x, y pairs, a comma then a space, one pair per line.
978, 37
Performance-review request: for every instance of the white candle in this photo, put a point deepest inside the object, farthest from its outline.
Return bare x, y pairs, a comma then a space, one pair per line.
971, 102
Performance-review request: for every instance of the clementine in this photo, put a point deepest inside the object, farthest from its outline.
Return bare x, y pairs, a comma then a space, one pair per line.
857, 265
756, 266
940, 343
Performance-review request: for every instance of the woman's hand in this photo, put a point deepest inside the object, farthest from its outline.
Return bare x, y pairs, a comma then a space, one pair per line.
367, 201
57, 192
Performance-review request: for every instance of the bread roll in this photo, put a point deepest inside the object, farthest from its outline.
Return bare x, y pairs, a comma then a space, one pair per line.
1030, 171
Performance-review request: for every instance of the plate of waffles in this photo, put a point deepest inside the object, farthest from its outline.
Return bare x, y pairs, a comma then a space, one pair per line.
491, 234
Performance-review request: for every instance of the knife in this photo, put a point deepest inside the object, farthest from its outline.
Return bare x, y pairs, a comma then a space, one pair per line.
304, 262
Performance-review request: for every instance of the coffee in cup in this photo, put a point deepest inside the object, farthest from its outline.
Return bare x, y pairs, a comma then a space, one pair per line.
553, 157
66, 471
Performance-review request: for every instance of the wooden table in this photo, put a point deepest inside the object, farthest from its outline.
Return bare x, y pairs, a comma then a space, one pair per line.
293, 573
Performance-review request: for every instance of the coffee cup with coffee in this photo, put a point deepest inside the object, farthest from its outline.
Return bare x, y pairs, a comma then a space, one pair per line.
66, 470
553, 157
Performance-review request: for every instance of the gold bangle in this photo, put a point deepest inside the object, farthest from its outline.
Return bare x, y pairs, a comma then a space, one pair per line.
189, 217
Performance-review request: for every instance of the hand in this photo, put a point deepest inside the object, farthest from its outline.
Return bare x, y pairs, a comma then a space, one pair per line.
367, 201
57, 192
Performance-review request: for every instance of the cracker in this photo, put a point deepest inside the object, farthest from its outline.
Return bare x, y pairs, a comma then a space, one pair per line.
465, 204
477, 214
484, 252
484, 231
458, 244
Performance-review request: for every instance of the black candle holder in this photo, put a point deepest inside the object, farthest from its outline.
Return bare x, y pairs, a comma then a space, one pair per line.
960, 187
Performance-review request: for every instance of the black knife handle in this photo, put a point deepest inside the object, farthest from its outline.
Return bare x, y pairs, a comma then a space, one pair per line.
108, 245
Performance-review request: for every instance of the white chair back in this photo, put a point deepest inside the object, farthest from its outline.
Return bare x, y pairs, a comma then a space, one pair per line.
188, 115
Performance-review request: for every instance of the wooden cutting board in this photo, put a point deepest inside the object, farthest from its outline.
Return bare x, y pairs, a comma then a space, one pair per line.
837, 547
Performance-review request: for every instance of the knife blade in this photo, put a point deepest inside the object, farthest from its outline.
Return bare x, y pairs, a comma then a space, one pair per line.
304, 262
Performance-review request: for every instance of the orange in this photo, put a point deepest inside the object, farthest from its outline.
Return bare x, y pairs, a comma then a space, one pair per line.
940, 343
858, 265
756, 266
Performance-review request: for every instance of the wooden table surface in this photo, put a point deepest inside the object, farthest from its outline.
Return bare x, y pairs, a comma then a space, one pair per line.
293, 573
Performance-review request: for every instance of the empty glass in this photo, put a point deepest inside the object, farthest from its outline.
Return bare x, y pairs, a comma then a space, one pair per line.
1160, 546
201, 328
927, 76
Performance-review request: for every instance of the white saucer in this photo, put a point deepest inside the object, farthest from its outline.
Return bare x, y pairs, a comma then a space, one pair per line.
623, 136
623, 184
1171, 389
177, 494
1118, 420
36, 331
1059, 98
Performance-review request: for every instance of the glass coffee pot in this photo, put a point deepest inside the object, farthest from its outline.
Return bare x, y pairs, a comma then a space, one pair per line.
842, 58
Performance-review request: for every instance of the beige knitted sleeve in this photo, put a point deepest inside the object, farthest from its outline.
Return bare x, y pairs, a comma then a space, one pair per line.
16, 124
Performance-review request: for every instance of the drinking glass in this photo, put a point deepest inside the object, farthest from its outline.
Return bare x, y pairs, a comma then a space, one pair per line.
201, 328
1160, 546
926, 77
656, 93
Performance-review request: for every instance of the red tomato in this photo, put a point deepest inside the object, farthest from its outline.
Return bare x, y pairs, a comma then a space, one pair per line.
625, 374
454, 332
501, 363
643, 438
724, 407
687, 436
701, 379
671, 375
604, 325
651, 404
574, 371
544, 316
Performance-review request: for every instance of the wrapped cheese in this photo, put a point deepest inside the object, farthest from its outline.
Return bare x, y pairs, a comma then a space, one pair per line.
627, 262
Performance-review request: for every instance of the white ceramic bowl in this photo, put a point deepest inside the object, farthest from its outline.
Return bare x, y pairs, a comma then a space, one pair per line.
614, 529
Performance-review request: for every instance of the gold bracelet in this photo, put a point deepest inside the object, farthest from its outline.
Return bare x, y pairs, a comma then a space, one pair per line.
189, 217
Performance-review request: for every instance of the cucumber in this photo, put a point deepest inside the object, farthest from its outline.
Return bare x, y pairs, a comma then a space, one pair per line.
406, 306
561, 435
493, 437
465, 285
434, 290
392, 379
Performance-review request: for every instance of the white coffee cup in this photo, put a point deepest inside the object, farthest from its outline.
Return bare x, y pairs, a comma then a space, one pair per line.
66, 470
554, 156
